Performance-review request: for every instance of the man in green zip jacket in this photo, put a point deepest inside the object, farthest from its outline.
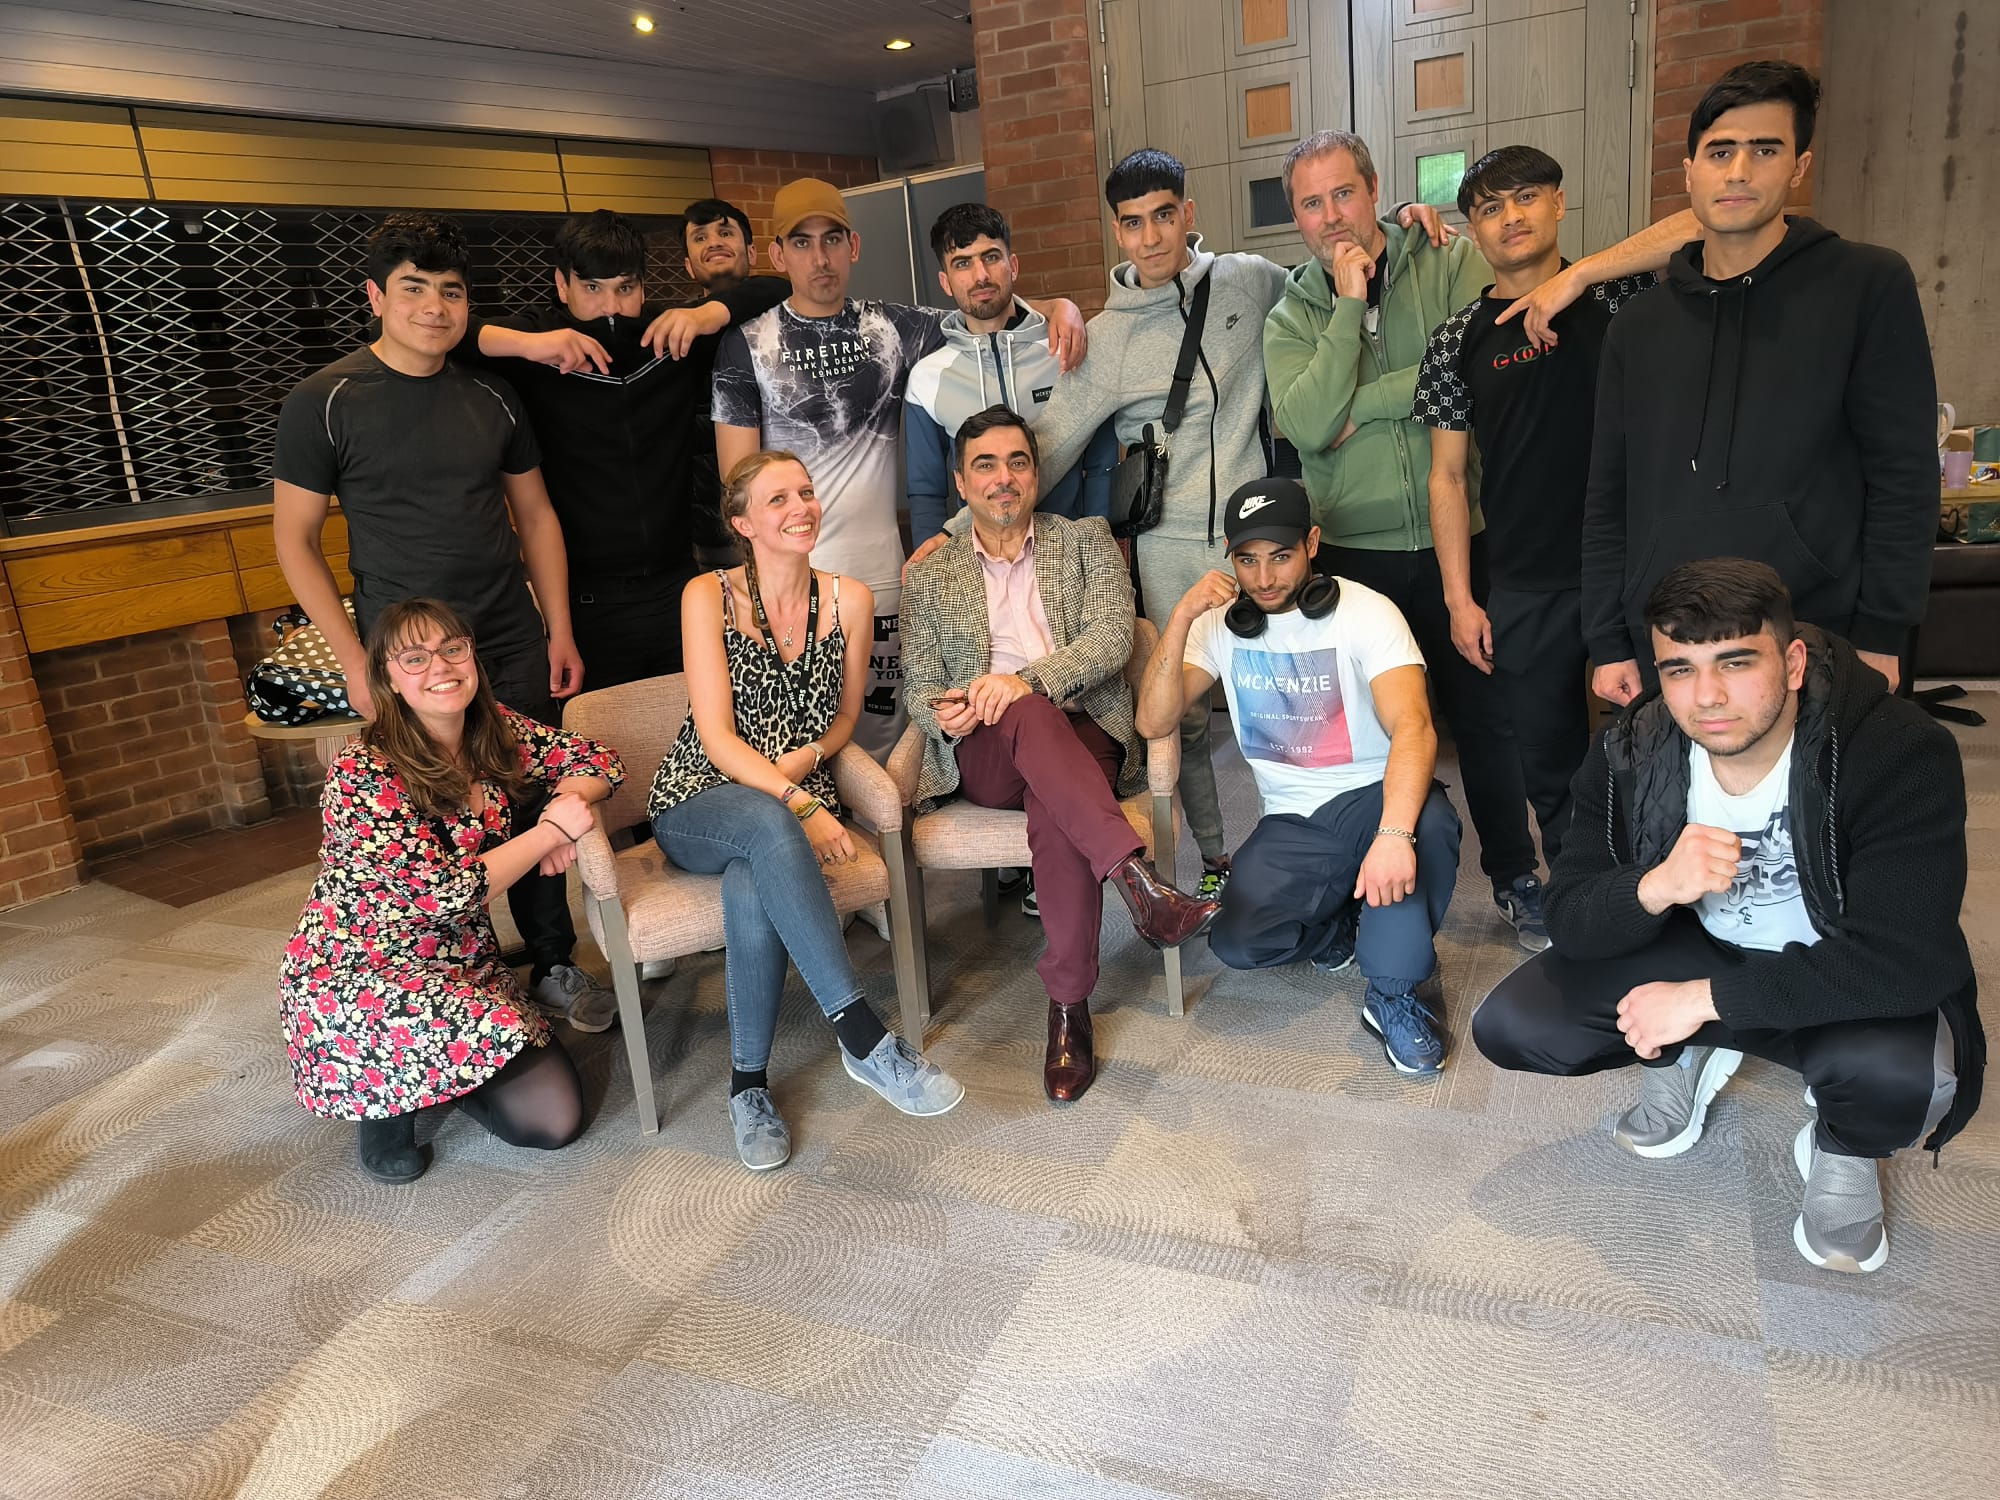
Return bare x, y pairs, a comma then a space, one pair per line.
1341, 354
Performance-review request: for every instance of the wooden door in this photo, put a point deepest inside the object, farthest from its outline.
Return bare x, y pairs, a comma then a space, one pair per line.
1448, 80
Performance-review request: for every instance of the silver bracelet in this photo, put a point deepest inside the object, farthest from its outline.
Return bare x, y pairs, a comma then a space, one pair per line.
1401, 833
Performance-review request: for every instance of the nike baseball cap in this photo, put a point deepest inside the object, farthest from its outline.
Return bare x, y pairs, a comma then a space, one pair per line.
1268, 510
807, 198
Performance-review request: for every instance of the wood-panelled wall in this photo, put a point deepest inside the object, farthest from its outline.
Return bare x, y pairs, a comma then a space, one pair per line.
51, 148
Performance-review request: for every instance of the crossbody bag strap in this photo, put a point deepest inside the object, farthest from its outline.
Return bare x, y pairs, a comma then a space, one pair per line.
1197, 316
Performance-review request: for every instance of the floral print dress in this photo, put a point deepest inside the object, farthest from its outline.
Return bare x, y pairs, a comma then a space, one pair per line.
394, 995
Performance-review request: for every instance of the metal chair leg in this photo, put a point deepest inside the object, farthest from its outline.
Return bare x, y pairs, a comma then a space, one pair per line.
908, 933
631, 1014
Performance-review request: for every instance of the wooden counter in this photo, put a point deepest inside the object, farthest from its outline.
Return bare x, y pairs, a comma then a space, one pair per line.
97, 583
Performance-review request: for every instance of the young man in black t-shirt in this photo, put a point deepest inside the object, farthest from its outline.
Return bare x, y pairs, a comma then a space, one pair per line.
439, 479
1530, 401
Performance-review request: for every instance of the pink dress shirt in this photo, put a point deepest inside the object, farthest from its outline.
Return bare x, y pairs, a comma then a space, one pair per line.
1014, 615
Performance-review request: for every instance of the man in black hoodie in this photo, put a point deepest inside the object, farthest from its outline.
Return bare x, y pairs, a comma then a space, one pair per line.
1774, 399
1768, 856
616, 388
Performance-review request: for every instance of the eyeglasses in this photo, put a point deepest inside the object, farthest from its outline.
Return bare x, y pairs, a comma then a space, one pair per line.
416, 658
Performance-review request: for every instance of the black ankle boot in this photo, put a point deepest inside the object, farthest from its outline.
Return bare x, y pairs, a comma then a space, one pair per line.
389, 1149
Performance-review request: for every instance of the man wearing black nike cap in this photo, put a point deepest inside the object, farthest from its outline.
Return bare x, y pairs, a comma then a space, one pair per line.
1356, 853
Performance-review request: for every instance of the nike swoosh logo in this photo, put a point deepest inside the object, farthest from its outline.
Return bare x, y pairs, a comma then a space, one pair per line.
1251, 505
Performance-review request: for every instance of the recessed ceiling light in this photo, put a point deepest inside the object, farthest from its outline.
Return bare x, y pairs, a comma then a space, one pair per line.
642, 23
898, 44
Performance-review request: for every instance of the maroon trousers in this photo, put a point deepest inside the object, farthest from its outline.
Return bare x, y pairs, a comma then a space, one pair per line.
1062, 770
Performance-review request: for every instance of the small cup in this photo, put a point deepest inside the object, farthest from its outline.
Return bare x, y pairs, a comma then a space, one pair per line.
1957, 468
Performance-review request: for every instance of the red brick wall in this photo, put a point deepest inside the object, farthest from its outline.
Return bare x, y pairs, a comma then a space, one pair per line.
751, 179
1040, 141
38, 848
148, 730
1694, 43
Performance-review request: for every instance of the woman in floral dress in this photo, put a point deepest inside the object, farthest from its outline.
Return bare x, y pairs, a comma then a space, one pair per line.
395, 996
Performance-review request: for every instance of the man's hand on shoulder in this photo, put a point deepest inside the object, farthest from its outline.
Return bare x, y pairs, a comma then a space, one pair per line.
923, 552
1415, 215
1703, 863
563, 349
1069, 339
674, 331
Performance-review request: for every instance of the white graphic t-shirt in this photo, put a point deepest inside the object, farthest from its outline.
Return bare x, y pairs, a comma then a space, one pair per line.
831, 391
1764, 908
1299, 695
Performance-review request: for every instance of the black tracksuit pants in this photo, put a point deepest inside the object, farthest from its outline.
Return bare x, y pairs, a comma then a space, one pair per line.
1489, 763
1879, 1084
539, 903
627, 629
1538, 662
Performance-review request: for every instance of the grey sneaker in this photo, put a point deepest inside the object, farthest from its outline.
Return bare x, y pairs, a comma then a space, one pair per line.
566, 993
1673, 1102
1839, 1227
656, 969
904, 1078
761, 1138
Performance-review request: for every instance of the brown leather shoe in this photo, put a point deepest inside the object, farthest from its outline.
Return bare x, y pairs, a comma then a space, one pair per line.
1160, 913
1071, 1064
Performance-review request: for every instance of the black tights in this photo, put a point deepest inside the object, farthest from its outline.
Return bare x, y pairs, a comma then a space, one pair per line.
535, 1101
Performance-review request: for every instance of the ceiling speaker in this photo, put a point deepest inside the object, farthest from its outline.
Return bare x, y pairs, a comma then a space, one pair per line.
913, 130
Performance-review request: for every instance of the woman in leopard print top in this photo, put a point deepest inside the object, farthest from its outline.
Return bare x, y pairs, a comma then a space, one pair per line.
777, 658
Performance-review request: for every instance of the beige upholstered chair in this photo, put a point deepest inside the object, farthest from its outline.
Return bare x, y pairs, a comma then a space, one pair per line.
642, 908
964, 836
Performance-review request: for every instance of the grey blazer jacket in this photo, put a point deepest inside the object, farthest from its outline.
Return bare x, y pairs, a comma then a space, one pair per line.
1087, 596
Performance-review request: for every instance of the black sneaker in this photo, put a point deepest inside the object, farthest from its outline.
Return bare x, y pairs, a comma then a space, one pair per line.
1030, 906
1521, 904
1338, 955
1213, 879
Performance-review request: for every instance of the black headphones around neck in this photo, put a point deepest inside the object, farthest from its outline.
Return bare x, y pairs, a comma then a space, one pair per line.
1317, 600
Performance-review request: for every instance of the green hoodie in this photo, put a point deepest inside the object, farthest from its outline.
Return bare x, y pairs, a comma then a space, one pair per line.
1324, 368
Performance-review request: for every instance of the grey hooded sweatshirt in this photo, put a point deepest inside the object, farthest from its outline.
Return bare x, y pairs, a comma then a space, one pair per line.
1130, 364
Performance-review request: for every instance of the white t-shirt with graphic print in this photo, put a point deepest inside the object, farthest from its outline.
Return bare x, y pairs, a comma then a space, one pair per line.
1299, 695
1764, 909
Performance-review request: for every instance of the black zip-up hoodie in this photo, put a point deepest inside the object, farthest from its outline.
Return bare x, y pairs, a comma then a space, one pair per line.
620, 452
1878, 818
1787, 415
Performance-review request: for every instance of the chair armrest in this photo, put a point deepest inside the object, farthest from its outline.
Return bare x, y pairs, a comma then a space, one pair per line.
867, 790
595, 859
906, 763
1163, 764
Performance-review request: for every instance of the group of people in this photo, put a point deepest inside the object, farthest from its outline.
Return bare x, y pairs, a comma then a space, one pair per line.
1699, 461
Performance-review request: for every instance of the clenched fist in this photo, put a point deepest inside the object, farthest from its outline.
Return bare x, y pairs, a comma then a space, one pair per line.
1703, 863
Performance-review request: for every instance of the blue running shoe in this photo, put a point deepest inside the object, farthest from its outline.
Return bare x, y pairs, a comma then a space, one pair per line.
1408, 1028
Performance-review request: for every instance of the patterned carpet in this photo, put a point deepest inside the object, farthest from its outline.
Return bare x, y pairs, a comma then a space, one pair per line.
1253, 1262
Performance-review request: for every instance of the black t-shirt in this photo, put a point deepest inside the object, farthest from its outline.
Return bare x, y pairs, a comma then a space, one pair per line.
1531, 412
417, 463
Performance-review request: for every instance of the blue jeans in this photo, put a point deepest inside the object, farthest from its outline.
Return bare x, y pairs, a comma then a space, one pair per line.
1292, 884
775, 905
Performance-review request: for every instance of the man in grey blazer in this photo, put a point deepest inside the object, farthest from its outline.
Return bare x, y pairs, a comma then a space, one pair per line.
1015, 636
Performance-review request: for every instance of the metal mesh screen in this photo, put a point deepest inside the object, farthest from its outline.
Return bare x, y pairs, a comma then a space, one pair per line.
145, 348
